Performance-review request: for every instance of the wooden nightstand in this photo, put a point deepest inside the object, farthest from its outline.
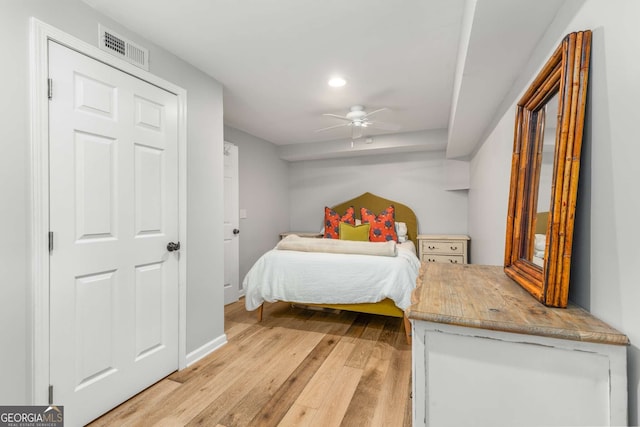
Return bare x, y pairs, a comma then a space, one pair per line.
301, 234
443, 248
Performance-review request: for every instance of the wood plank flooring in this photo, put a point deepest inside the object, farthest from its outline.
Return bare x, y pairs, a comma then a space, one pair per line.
298, 367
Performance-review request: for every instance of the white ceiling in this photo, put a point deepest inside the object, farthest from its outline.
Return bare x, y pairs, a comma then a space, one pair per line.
274, 59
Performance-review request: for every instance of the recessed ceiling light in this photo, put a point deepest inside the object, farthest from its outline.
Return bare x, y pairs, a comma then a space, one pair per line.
337, 82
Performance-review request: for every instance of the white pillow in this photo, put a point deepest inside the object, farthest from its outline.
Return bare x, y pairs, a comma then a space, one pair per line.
401, 229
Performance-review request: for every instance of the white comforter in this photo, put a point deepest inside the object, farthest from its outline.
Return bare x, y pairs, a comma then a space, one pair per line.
329, 278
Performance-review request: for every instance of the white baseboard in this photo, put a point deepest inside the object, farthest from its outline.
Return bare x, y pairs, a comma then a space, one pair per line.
206, 349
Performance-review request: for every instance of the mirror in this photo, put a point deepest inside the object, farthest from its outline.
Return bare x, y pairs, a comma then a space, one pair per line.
544, 173
541, 182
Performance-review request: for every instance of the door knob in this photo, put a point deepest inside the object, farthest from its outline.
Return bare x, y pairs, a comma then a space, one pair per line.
236, 231
173, 246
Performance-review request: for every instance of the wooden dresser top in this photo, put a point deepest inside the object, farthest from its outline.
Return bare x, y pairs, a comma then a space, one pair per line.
482, 296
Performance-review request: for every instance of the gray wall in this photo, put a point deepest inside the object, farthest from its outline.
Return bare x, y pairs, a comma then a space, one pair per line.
414, 179
205, 320
264, 194
604, 277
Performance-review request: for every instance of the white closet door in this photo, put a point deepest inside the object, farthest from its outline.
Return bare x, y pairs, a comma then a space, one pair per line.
231, 225
114, 209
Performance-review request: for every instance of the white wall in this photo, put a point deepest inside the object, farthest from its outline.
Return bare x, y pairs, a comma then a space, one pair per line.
205, 181
414, 179
264, 194
489, 194
606, 253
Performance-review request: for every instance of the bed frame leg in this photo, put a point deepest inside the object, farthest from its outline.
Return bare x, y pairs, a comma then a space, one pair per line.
407, 328
260, 310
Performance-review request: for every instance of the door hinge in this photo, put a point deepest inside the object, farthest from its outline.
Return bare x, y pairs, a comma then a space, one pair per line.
50, 394
50, 241
50, 88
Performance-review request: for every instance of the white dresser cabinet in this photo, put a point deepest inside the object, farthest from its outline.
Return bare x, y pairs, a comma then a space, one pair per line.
486, 353
449, 248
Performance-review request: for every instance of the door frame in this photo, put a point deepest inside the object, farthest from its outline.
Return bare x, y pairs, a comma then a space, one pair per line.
40, 35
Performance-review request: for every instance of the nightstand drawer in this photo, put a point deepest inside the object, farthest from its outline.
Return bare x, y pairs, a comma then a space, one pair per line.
442, 247
448, 248
452, 259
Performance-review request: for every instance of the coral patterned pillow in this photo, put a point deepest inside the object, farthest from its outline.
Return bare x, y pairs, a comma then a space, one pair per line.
383, 227
332, 221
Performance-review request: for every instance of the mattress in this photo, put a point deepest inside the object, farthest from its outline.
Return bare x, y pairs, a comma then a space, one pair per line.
331, 278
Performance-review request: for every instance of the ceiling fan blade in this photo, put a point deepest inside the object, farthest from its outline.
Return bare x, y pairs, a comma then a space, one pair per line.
374, 112
383, 126
333, 127
337, 117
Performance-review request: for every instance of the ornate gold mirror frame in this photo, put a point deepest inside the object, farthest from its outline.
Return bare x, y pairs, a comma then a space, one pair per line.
565, 74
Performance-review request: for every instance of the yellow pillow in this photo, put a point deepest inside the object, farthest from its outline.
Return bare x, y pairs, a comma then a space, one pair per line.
359, 233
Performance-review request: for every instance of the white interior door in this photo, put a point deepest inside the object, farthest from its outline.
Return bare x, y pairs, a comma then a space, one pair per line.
231, 225
113, 210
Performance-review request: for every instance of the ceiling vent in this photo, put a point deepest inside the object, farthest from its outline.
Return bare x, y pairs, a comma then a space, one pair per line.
112, 42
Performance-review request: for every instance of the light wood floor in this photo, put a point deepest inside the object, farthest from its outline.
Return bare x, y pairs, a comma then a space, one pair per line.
297, 368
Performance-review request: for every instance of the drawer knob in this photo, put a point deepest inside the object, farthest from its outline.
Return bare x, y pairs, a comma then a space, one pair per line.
431, 260
454, 248
431, 247
453, 261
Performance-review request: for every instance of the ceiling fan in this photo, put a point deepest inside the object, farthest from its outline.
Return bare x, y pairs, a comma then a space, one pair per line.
358, 119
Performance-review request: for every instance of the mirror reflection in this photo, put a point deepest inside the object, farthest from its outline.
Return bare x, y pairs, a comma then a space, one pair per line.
547, 123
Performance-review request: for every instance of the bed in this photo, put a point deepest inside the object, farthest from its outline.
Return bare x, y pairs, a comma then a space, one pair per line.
354, 282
